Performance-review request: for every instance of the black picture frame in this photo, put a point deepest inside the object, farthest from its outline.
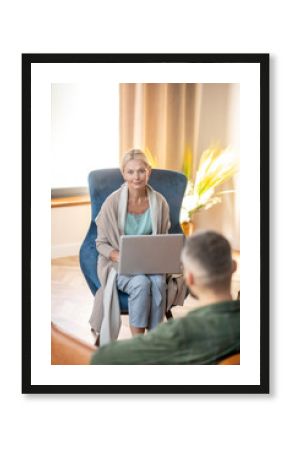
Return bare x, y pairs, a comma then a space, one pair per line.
123, 58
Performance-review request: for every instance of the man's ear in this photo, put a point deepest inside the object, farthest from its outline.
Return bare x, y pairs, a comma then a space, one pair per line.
189, 279
234, 266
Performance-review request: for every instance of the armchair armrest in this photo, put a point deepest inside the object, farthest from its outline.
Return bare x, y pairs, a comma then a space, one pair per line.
89, 257
67, 350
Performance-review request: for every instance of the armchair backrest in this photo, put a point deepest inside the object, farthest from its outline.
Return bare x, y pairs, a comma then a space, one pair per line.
169, 183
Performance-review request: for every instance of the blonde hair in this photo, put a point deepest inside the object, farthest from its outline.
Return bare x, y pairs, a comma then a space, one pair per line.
134, 154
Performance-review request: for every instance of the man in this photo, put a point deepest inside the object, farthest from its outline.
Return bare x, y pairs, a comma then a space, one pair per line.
205, 335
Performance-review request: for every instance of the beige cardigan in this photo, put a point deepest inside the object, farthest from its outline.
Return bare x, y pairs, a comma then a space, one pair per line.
105, 319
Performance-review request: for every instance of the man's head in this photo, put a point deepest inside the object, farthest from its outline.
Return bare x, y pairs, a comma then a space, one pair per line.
208, 264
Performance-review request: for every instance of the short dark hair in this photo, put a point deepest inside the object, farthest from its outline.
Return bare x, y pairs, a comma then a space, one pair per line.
212, 252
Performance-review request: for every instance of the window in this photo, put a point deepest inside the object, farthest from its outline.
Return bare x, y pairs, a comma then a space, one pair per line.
84, 131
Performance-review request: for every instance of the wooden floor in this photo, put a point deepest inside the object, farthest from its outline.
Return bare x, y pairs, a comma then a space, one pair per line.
72, 301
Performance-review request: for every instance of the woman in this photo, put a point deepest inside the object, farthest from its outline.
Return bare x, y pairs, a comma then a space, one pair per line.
135, 208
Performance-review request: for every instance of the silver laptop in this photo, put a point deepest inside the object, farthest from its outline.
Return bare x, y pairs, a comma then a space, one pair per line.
150, 254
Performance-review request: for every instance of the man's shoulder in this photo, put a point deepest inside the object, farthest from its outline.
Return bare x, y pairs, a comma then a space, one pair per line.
212, 308
201, 313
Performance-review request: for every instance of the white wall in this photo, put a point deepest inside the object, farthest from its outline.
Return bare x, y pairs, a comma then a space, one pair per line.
69, 226
233, 137
80, 142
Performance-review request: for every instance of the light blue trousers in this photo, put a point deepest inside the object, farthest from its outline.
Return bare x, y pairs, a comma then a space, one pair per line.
147, 298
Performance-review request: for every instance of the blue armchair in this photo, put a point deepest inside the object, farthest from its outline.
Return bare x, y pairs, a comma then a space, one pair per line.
102, 183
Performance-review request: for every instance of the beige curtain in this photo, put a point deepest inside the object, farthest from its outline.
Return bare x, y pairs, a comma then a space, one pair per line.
162, 118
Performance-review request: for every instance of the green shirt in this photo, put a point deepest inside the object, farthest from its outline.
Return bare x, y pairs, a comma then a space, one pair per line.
204, 336
137, 224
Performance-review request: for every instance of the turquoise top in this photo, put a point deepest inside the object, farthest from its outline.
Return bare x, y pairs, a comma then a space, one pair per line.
137, 224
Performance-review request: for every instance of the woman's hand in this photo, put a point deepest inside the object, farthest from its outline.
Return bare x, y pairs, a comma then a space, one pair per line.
115, 256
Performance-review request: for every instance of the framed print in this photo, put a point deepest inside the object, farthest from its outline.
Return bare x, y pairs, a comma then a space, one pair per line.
145, 144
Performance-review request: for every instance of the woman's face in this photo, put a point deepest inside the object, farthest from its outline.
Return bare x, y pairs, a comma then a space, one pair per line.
136, 174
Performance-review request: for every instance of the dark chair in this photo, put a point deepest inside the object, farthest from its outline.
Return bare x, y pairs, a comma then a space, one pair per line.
102, 183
